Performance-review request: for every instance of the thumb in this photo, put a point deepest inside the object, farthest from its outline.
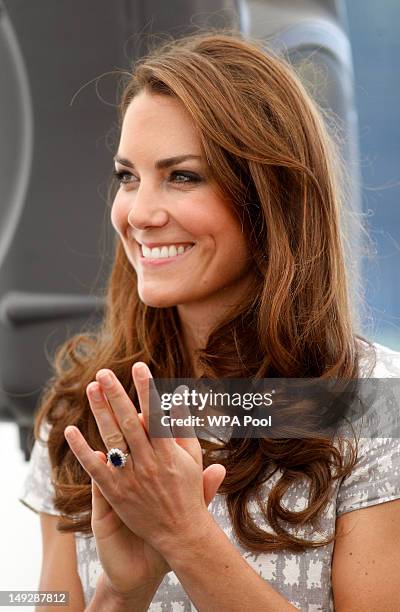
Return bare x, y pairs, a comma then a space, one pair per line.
213, 477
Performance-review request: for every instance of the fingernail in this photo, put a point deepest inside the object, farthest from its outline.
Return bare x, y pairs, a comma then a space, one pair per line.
106, 379
70, 432
141, 370
95, 392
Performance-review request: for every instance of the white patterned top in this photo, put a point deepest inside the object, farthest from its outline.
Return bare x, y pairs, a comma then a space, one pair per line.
303, 578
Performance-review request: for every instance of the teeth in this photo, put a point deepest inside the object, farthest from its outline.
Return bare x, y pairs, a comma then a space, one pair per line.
164, 252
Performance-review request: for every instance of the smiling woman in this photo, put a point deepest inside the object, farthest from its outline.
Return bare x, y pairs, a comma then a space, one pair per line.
229, 263
155, 210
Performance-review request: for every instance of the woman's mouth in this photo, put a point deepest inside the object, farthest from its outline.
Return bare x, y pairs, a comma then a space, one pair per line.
163, 255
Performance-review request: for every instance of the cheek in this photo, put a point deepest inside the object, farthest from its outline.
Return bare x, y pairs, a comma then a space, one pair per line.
239, 253
230, 229
118, 216
237, 245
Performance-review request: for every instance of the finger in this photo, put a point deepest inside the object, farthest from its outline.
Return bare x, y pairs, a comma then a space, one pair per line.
184, 434
126, 415
106, 422
100, 506
213, 477
89, 460
180, 410
150, 405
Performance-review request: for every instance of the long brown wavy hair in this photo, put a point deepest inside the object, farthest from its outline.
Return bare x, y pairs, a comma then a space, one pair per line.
270, 154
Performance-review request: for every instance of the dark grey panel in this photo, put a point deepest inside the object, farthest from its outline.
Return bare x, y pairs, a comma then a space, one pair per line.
58, 89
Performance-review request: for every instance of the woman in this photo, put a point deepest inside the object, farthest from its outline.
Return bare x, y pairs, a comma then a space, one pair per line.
229, 264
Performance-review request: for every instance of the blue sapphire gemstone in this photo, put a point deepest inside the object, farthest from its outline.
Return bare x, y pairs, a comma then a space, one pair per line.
116, 459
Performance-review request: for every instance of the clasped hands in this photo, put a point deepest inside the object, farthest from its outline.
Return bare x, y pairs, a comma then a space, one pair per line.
145, 511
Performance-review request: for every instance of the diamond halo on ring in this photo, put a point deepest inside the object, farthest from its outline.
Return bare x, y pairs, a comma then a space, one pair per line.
117, 457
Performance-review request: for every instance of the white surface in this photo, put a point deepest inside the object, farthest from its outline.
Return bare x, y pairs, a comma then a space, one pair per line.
20, 535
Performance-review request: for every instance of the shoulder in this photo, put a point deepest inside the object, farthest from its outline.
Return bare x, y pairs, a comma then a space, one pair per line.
379, 390
375, 477
38, 491
379, 361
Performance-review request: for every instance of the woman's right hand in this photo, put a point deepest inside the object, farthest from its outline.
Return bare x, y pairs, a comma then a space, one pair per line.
127, 560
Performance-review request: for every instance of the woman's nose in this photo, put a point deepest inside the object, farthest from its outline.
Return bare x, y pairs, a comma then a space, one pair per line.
147, 210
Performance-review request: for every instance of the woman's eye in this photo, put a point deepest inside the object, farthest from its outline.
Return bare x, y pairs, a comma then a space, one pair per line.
125, 178
121, 176
189, 176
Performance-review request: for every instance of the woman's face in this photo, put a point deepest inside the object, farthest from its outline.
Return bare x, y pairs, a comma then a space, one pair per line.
174, 207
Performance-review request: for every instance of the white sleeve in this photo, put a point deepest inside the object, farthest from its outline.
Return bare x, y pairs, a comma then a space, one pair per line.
376, 477
37, 490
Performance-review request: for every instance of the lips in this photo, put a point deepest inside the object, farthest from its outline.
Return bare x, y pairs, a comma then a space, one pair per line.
151, 245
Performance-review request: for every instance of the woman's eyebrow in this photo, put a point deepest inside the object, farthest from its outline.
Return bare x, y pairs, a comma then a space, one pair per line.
161, 163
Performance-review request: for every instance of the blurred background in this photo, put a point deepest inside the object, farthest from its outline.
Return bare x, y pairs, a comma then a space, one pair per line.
375, 40
59, 84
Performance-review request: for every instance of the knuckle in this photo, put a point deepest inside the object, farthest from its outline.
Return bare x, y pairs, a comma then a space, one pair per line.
171, 472
168, 457
115, 439
128, 422
148, 471
116, 393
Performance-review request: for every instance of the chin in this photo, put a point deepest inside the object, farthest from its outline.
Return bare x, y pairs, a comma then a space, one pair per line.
157, 301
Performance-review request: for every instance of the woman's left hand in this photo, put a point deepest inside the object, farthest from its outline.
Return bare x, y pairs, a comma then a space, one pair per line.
159, 493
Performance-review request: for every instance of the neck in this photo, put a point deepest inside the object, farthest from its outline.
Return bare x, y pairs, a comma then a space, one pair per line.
199, 318
197, 322
196, 327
